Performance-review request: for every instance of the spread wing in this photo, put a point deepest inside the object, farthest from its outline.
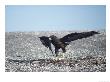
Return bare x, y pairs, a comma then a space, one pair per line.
46, 42
75, 36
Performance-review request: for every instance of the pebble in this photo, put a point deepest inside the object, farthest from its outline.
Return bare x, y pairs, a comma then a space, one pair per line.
90, 53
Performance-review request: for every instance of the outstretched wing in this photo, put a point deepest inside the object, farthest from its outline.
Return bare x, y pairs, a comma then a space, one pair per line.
46, 42
74, 36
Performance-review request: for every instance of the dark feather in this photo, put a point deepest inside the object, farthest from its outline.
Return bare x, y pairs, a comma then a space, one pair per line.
64, 41
75, 36
46, 42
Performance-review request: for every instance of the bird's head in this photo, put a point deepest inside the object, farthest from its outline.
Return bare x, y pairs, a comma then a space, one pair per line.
52, 37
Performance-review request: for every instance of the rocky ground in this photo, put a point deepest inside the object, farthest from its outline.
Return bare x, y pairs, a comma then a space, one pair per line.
25, 53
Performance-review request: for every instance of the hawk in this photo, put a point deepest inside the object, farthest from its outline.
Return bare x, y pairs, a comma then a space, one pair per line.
61, 43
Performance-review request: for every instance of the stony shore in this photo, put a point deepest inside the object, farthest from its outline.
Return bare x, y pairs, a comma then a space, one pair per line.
25, 53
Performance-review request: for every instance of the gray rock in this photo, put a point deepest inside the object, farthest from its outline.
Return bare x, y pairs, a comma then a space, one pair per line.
83, 55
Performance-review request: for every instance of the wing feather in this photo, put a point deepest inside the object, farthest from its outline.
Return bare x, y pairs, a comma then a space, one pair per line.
75, 36
46, 42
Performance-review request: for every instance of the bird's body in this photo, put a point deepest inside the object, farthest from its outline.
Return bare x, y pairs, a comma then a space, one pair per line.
58, 44
64, 41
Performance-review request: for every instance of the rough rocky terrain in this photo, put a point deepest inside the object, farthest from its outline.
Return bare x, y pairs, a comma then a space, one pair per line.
25, 53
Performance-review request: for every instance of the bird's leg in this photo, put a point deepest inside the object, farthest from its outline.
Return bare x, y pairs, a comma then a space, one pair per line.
61, 55
56, 51
64, 50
